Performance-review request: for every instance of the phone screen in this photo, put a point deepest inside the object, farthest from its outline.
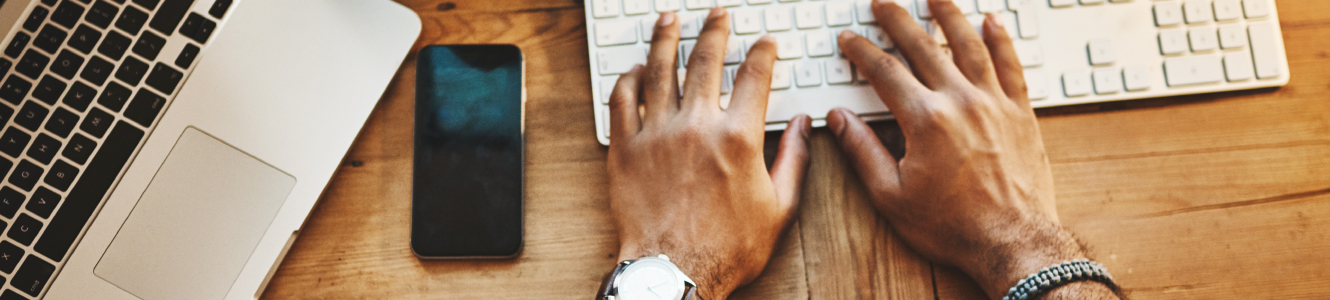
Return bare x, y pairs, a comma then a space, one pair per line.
467, 181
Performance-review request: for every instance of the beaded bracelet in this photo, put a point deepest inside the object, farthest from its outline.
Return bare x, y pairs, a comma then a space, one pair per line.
1059, 275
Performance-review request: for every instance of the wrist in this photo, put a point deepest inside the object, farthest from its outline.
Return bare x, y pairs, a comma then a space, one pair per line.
711, 282
1031, 247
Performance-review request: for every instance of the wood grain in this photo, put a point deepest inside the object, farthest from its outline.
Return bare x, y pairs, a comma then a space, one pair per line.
1220, 196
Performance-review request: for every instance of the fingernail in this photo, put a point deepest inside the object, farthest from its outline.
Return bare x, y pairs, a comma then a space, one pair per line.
847, 34
716, 12
666, 19
997, 20
767, 38
636, 68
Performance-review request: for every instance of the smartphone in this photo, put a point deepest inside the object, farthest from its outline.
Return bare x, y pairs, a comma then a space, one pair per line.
467, 172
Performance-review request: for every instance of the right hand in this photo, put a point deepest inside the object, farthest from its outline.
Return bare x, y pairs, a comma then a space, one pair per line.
974, 189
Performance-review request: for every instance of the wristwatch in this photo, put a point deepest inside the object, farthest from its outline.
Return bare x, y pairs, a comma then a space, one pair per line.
647, 278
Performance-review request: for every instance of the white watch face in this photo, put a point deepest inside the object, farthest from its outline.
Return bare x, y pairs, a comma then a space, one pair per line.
649, 280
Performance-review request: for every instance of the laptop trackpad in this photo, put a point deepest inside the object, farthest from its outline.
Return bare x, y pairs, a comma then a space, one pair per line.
197, 223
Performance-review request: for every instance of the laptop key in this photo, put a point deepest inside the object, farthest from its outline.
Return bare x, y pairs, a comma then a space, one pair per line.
187, 56
149, 45
114, 96
145, 107
17, 44
32, 63
61, 175
79, 149
98, 70
88, 192
10, 294
43, 202
97, 122
66, 65
25, 227
101, 14
25, 176
14, 89
49, 89
164, 78
35, 18
114, 45
79, 96
10, 254
62, 122
31, 116
218, 8
84, 39
6, 113
13, 142
32, 276
150, 4
131, 20
44, 148
168, 17
50, 38
131, 71
67, 13
10, 199
197, 27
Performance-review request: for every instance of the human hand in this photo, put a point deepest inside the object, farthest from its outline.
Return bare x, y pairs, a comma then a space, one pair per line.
974, 189
688, 179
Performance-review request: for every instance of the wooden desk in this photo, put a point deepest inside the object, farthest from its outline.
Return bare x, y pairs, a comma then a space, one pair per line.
1218, 196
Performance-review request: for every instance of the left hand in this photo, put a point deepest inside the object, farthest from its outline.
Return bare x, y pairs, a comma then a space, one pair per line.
687, 178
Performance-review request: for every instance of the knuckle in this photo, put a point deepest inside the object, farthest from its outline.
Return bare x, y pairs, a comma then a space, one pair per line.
704, 56
883, 62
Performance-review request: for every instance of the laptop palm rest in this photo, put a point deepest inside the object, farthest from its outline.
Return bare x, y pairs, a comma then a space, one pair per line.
197, 223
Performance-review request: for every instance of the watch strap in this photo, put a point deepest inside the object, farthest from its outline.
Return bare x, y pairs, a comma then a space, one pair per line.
690, 293
607, 283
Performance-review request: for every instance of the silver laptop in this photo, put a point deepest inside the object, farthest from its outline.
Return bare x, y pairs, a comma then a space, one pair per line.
172, 149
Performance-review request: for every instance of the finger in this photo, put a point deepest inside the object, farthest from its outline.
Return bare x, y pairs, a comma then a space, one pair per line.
1006, 64
890, 78
661, 78
702, 87
876, 167
791, 164
624, 120
934, 67
968, 50
752, 84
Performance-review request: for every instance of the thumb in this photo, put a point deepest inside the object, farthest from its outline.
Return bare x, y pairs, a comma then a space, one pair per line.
876, 167
787, 172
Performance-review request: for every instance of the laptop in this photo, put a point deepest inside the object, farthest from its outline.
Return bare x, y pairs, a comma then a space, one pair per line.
172, 149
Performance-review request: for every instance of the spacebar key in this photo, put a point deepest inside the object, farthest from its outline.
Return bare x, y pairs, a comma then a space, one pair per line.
88, 192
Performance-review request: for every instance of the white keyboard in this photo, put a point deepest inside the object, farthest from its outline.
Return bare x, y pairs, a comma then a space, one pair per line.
1074, 51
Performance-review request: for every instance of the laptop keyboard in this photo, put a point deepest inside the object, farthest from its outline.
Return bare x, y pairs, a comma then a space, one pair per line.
84, 81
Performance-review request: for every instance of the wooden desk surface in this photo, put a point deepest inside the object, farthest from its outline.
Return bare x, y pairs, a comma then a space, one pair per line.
1219, 196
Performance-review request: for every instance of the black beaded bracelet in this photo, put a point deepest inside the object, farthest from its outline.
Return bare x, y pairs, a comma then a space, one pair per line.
1059, 275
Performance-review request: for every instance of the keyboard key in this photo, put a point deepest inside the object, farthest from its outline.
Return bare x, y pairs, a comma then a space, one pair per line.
686, 50
819, 43
31, 116
50, 38
604, 8
149, 44
13, 142
97, 70
88, 192
131, 20
35, 18
1137, 77
727, 79
17, 44
747, 21
131, 70
630, 7
1031, 54
66, 65
690, 26
990, 6
114, 45
62, 122
1173, 41
668, 5
1076, 82
808, 73
33, 276
101, 14
617, 60
67, 13
808, 15
191, 51
1202, 39
723, 3
1256, 8
145, 107
81, 147
879, 37
608, 33
61, 175
114, 96
150, 4
32, 63
926, 13
697, 4
1101, 52
648, 25
863, 9
1028, 24
43, 202
14, 89
1197, 11
10, 200
1237, 66
1227, 10
10, 254
1180, 71
219, 7
97, 122
5, 64
734, 51
778, 18
1232, 36
789, 46
6, 113
44, 148
1168, 13
839, 71
1263, 51
780, 76
169, 15
840, 13
164, 78
49, 89
1107, 81
1036, 84
25, 176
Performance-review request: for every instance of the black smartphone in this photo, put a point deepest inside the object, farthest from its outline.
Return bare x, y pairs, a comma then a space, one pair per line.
467, 180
